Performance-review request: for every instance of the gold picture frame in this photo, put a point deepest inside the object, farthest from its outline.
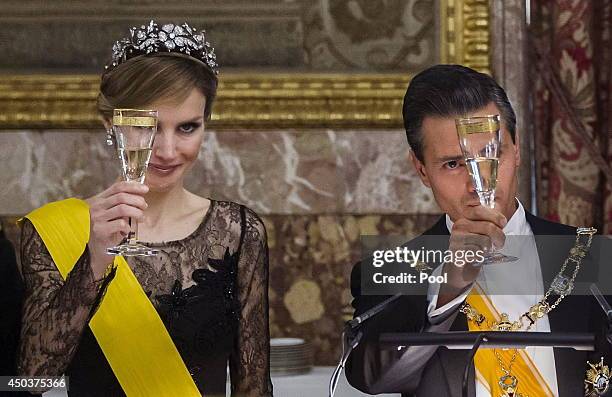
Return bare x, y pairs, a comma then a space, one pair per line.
262, 101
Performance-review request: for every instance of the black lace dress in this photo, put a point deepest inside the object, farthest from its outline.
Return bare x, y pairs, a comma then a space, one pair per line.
210, 289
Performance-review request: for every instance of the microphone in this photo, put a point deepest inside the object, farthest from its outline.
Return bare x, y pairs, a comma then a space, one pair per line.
371, 312
351, 336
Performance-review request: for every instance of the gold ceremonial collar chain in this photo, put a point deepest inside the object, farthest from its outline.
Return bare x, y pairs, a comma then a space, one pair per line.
562, 285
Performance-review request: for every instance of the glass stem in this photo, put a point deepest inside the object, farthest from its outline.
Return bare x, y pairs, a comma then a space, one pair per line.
133, 235
487, 199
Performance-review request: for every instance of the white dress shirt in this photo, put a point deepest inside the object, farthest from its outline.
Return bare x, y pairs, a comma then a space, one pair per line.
523, 276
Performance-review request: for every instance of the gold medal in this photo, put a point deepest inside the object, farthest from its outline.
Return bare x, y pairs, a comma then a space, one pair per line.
508, 384
512, 393
597, 379
504, 324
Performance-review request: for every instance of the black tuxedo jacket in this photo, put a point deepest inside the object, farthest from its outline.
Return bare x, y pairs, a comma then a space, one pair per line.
432, 371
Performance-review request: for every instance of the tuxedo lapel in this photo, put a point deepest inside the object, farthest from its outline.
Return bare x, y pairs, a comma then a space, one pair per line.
439, 228
551, 251
571, 314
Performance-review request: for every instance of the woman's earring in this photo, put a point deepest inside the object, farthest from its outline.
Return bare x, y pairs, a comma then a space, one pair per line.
109, 137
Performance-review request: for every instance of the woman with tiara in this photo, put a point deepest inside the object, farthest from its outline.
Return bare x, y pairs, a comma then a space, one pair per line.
201, 304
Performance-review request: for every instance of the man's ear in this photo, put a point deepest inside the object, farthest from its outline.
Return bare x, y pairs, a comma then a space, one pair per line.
419, 167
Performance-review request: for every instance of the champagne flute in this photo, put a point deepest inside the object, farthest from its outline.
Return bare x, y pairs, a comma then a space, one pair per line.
134, 132
480, 139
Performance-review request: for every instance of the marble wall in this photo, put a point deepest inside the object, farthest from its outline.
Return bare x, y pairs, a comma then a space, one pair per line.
273, 172
317, 191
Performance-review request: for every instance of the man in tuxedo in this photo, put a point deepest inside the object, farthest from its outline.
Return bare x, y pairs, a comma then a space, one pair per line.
434, 99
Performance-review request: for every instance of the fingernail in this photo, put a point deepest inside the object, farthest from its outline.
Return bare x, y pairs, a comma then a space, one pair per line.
504, 221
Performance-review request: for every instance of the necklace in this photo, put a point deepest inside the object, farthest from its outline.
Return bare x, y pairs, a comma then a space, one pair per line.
562, 285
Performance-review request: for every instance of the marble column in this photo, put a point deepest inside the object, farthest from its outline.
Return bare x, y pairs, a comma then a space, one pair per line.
509, 65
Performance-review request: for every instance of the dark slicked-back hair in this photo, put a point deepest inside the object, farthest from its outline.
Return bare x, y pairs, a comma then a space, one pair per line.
450, 91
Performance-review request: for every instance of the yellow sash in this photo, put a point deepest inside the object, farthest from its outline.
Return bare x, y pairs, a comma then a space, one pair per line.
488, 371
126, 325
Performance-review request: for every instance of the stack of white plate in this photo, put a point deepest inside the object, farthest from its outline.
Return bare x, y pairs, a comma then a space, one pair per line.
290, 356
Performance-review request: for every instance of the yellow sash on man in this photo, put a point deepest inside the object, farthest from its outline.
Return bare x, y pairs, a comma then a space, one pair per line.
126, 325
488, 371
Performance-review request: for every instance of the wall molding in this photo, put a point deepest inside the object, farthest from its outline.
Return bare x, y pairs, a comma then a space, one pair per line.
263, 100
245, 101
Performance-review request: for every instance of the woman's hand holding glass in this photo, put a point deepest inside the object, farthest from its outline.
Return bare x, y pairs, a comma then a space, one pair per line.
109, 214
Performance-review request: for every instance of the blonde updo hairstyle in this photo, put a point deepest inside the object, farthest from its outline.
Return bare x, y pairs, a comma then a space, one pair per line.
160, 77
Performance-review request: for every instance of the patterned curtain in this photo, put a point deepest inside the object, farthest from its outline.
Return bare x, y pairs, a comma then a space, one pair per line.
571, 52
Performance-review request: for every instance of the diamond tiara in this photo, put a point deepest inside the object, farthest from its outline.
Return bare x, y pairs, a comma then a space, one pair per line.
152, 38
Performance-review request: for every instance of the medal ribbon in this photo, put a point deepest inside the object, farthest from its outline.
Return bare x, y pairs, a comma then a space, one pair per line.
126, 325
488, 371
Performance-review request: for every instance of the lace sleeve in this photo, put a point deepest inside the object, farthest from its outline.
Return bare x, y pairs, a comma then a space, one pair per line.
55, 311
250, 360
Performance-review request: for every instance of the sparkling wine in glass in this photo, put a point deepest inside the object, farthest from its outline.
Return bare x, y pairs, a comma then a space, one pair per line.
480, 139
483, 171
134, 132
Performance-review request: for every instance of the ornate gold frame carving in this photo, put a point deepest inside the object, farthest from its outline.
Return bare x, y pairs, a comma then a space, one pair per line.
465, 33
292, 100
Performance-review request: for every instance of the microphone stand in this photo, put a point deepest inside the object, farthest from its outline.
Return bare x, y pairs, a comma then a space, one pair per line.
466, 372
350, 339
351, 336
